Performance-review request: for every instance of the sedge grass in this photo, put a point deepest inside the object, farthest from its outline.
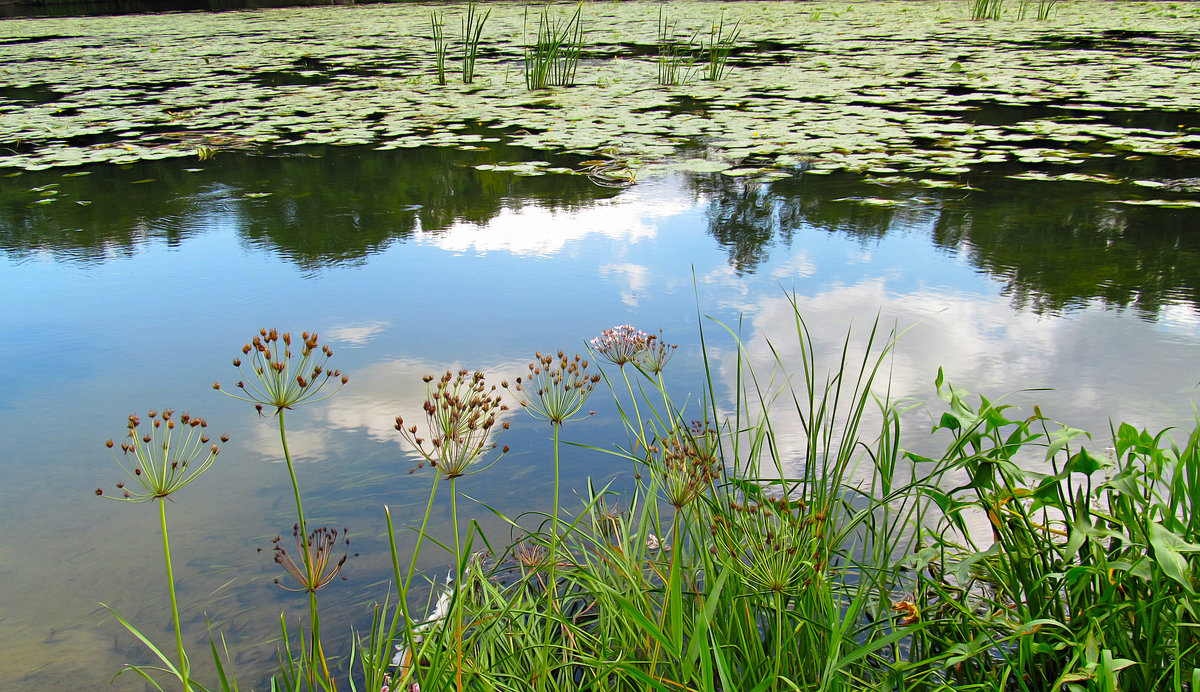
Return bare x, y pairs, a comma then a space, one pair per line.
553, 57
676, 58
745, 560
437, 26
472, 32
721, 40
987, 9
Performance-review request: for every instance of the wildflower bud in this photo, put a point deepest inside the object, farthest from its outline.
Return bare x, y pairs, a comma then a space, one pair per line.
99, 491
204, 439
146, 439
224, 438
137, 472
216, 385
345, 379
109, 444
427, 379
121, 484
214, 449
504, 449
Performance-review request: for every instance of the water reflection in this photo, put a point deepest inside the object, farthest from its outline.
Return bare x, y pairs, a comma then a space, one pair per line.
147, 305
316, 209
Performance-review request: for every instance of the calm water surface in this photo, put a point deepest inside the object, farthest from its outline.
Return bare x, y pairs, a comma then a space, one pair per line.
131, 289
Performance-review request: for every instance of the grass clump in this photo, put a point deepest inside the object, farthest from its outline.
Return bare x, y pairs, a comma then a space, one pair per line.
676, 57
553, 57
437, 24
987, 9
778, 538
472, 33
720, 43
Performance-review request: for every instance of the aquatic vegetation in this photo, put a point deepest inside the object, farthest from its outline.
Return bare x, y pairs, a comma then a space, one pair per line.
472, 31
720, 43
675, 57
160, 459
437, 26
779, 82
987, 9
553, 57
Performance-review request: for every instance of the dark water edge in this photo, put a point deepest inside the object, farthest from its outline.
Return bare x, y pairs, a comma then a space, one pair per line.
73, 8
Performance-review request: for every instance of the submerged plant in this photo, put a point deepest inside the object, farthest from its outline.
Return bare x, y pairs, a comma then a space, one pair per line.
164, 456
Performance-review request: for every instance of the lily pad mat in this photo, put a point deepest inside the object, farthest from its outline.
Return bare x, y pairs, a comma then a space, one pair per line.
872, 86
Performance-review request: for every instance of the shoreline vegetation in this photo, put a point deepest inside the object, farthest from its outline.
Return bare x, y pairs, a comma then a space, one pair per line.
873, 568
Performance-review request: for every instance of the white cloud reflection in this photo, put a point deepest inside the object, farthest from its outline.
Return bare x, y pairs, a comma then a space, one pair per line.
355, 335
636, 278
983, 346
535, 230
393, 388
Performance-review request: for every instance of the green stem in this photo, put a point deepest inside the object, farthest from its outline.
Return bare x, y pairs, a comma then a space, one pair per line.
778, 652
552, 583
455, 600
316, 652
184, 666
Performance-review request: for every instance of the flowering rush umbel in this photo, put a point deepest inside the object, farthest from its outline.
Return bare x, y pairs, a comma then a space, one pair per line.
624, 344
274, 379
161, 455
555, 388
619, 345
461, 413
316, 566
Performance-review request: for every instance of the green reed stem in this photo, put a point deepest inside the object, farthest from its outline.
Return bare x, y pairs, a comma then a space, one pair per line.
184, 666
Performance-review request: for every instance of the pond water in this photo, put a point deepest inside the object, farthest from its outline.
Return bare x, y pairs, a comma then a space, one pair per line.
1042, 247
411, 263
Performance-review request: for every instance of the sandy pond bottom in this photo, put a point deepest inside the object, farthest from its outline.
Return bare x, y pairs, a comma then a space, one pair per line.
1028, 213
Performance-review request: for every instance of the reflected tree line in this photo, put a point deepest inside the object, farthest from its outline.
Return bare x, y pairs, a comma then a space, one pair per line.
335, 208
1053, 245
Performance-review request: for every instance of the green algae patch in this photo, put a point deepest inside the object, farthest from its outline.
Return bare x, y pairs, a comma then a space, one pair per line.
909, 89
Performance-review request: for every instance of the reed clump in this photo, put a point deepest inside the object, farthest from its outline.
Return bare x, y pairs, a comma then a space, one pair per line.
779, 538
